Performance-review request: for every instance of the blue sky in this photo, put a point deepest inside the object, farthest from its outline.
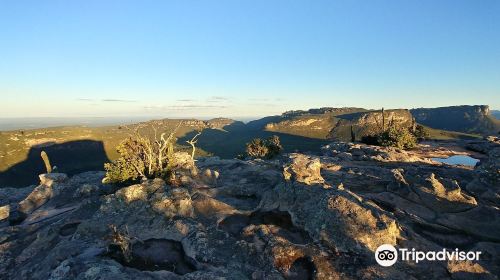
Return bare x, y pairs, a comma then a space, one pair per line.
244, 58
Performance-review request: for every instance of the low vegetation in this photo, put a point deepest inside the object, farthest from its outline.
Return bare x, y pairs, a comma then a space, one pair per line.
265, 149
395, 135
142, 157
399, 137
421, 132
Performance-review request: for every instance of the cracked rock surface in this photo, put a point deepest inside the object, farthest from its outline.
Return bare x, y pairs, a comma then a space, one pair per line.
295, 217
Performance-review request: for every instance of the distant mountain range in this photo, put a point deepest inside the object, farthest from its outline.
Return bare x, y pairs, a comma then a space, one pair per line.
7, 124
76, 149
336, 123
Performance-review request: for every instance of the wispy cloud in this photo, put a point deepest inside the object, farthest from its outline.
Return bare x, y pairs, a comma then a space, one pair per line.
216, 98
105, 100
262, 104
183, 107
219, 97
117, 100
185, 100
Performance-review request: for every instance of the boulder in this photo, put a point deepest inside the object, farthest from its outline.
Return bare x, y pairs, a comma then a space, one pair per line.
174, 202
304, 169
337, 217
50, 186
184, 164
4, 212
48, 179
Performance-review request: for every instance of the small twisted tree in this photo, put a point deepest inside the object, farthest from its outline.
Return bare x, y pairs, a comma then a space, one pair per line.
193, 142
142, 157
267, 149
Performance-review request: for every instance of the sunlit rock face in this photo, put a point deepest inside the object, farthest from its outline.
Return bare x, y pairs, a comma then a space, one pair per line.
299, 216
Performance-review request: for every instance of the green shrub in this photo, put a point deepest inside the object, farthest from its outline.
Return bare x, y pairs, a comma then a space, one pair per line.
421, 132
257, 148
394, 136
142, 157
119, 171
274, 146
399, 137
266, 149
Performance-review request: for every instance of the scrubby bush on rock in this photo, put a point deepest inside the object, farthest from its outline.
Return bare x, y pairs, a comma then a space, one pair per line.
421, 132
399, 137
266, 149
142, 157
394, 136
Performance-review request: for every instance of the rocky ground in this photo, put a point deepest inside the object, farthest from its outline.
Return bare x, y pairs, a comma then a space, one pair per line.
296, 217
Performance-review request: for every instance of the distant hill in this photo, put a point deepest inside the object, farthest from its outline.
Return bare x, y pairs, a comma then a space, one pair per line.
468, 119
226, 138
335, 123
314, 123
496, 114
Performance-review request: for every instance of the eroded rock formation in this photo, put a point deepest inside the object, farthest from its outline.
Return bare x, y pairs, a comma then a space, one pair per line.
297, 217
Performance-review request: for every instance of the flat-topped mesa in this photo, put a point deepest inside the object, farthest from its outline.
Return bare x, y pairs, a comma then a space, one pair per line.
220, 123
322, 110
466, 118
396, 117
336, 123
369, 123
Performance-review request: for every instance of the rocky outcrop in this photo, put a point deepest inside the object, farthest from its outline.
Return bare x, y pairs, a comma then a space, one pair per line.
50, 186
368, 123
336, 123
303, 169
362, 152
296, 217
443, 195
486, 184
10, 197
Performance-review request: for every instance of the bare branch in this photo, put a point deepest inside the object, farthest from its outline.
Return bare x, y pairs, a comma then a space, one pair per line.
193, 142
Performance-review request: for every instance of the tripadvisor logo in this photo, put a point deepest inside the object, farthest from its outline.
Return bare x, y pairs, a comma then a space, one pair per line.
387, 255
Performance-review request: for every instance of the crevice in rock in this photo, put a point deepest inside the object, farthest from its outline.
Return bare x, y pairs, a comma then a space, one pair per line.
384, 205
155, 254
68, 229
242, 202
444, 236
301, 269
235, 224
